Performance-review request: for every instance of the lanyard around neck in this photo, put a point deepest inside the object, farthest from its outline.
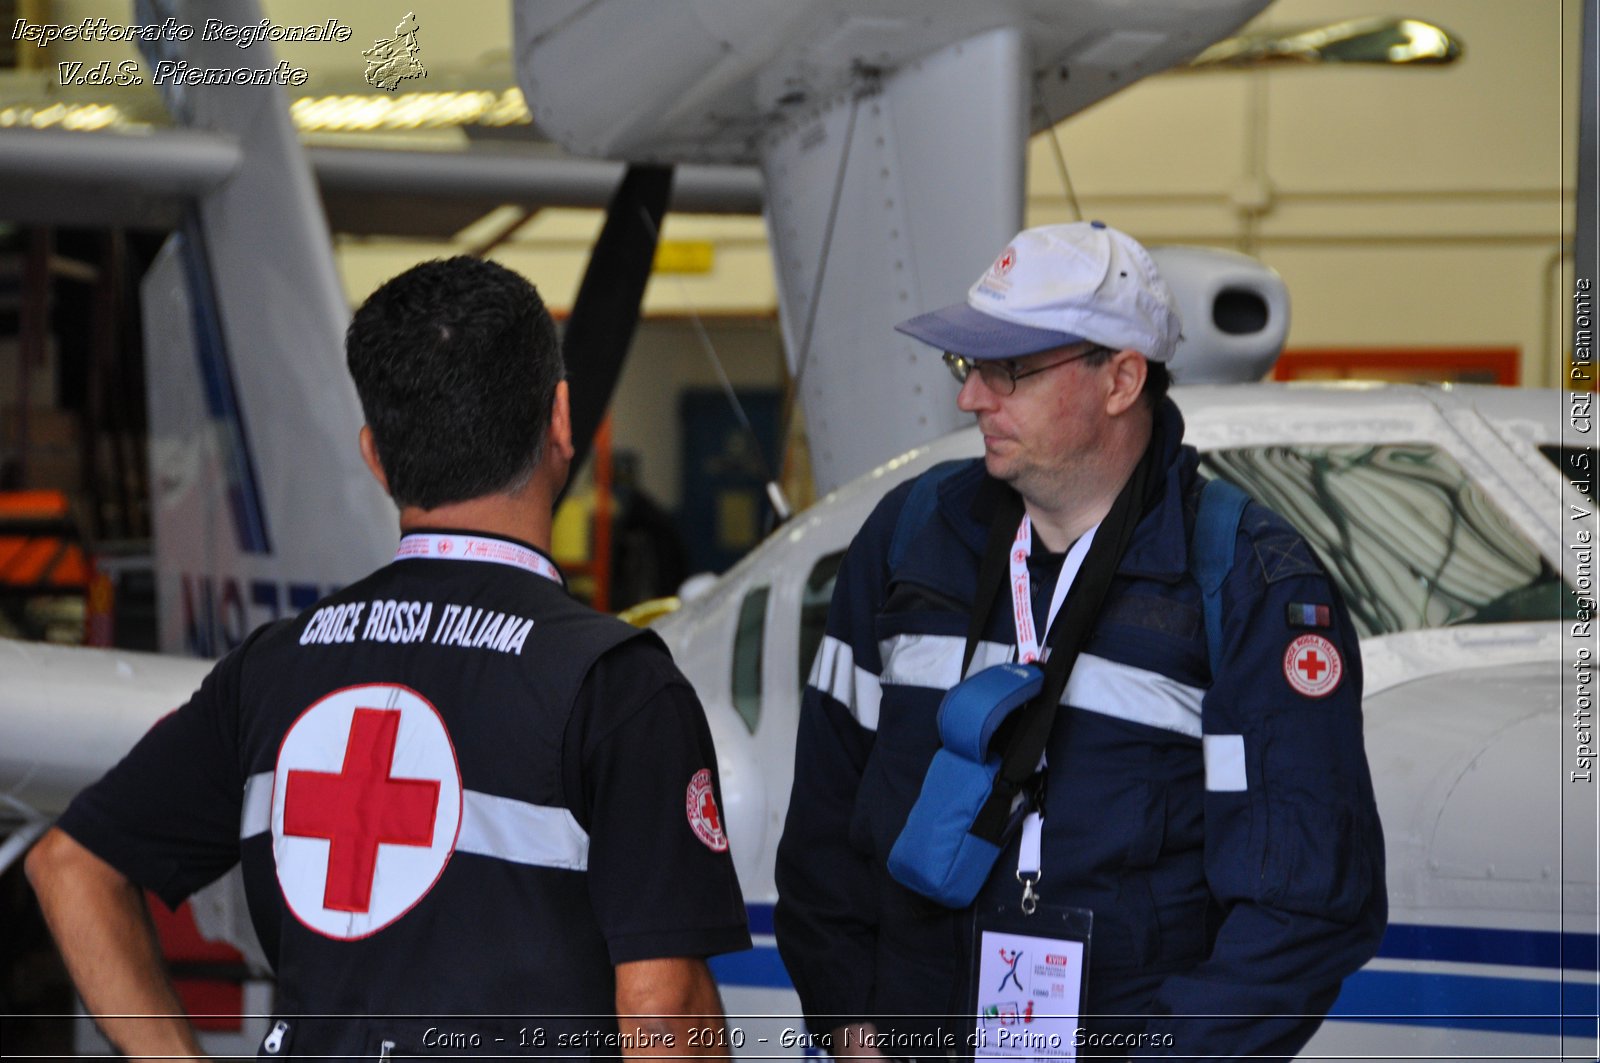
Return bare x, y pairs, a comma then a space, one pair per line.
478, 548
1022, 587
1029, 853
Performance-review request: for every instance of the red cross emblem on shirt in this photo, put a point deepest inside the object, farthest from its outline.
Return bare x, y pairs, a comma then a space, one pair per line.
366, 808
1312, 666
700, 803
360, 808
708, 812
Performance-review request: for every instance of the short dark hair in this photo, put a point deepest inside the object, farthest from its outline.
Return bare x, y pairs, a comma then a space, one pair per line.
456, 362
1157, 378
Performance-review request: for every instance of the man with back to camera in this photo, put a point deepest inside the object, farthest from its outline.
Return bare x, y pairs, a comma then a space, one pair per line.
454, 791
1209, 842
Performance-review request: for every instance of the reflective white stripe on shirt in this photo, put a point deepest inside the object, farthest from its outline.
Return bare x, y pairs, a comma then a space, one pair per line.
935, 660
256, 815
1225, 763
836, 674
1096, 684
523, 833
1134, 694
501, 827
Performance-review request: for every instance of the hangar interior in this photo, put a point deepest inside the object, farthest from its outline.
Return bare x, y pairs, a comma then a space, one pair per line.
1421, 215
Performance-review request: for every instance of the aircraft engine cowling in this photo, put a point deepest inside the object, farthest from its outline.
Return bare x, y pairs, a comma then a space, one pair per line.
1235, 313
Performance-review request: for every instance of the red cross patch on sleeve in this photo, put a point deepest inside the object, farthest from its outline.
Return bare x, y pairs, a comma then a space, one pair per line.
704, 818
1313, 666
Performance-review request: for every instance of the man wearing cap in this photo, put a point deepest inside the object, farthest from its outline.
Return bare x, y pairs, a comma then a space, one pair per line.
1211, 839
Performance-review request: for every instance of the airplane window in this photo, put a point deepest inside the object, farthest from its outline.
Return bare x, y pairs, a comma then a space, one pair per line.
1410, 540
747, 644
814, 610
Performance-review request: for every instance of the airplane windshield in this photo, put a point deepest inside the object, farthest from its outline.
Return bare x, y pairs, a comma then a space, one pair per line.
747, 647
1410, 539
814, 609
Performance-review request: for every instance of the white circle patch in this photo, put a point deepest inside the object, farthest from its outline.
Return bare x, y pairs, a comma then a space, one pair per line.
701, 806
366, 806
1313, 666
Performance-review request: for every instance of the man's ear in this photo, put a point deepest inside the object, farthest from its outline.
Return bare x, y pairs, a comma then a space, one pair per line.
369, 454
559, 438
1128, 372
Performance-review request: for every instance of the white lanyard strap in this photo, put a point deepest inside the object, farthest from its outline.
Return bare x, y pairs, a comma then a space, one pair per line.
1030, 857
477, 548
1022, 587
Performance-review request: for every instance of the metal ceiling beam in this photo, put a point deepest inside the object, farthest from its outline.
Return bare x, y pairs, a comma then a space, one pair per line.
139, 179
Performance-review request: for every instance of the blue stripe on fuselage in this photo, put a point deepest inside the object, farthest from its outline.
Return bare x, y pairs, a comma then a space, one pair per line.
1468, 1002
1545, 1007
1468, 944
222, 401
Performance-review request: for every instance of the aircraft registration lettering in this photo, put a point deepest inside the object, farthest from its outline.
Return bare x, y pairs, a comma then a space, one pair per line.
218, 613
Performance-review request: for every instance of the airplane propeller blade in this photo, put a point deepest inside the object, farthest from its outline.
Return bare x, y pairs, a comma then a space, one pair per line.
606, 311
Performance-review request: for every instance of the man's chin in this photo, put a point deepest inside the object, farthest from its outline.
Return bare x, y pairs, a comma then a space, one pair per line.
998, 467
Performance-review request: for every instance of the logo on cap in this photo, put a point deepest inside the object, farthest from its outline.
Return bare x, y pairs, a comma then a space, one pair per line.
1003, 264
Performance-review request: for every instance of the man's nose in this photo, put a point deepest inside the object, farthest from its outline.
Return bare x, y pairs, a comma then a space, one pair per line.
974, 394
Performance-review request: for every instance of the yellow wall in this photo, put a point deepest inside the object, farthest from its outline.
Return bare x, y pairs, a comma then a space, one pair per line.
1403, 206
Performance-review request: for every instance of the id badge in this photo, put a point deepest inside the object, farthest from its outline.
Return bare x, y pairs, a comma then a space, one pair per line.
1030, 973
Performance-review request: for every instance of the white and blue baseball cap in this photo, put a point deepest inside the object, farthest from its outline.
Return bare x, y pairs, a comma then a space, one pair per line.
1054, 286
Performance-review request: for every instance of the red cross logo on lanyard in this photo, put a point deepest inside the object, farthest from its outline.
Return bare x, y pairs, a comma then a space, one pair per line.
360, 809
367, 804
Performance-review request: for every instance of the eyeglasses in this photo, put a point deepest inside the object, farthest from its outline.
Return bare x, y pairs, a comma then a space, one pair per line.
1001, 376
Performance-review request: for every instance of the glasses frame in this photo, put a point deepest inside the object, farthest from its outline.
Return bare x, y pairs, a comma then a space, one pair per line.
1000, 375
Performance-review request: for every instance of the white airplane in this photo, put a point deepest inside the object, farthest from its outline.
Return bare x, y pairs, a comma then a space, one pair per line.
1440, 512
890, 135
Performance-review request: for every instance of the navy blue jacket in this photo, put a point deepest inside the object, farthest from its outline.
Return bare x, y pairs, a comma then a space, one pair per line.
1221, 828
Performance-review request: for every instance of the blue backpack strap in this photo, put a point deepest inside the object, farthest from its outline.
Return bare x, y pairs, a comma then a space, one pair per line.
918, 510
1211, 554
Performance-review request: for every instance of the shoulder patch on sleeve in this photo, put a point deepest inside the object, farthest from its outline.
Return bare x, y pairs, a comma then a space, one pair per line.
1282, 556
700, 803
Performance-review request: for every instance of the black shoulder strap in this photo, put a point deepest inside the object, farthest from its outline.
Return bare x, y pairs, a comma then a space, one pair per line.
991, 572
1067, 635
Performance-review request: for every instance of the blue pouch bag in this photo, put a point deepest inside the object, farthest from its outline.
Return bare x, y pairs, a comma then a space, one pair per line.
936, 854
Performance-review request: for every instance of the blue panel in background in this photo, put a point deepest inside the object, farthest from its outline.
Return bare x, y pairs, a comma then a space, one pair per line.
724, 510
